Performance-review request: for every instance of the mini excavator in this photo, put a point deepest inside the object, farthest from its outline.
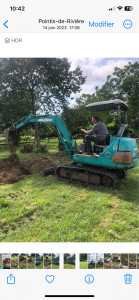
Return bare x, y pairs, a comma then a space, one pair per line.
114, 157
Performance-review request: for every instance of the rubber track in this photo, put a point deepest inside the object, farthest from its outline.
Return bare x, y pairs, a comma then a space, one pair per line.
91, 170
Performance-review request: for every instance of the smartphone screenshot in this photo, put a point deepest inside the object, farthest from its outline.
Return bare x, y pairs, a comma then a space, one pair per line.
69, 142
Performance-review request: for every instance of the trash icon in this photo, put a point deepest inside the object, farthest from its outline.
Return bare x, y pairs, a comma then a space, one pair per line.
128, 278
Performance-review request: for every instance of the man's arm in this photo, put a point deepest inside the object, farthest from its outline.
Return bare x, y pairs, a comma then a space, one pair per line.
85, 131
92, 131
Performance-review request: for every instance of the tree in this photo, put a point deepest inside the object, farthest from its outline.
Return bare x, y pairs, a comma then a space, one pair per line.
124, 84
47, 130
81, 117
31, 85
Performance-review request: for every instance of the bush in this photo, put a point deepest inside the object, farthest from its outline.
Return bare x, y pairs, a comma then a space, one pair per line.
42, 149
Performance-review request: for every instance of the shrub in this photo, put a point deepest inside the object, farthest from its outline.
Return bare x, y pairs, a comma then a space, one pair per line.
42, 149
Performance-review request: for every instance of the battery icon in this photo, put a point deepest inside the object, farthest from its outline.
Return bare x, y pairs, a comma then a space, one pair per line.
128, 8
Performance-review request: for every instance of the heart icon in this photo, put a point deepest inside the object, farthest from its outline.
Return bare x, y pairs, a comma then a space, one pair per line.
49, 278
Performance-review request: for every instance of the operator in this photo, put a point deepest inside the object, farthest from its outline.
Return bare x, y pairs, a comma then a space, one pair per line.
100, 131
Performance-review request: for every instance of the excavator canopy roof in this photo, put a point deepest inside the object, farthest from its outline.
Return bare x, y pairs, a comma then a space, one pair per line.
107, 105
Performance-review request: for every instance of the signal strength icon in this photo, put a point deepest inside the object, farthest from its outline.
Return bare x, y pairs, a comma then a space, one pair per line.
113, 8
120, 7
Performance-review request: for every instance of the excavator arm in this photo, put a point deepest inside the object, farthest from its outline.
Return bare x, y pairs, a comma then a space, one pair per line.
57, 121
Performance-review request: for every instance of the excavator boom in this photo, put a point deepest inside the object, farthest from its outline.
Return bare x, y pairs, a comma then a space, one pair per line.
56, 120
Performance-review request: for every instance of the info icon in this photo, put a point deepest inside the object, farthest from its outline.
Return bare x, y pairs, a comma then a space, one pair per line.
89, 278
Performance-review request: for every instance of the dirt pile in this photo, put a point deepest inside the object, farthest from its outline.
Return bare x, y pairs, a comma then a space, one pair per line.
60, 155
26, 148
12, 169
22, 258
47, 262
38, 165
14, 264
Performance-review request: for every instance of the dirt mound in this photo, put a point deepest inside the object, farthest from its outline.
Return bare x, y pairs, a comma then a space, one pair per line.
39, 165
61, 154
22, 258
12, 160
12, 169
26, 148
14, 264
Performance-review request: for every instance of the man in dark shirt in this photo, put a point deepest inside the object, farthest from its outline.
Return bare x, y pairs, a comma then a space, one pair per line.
100, 131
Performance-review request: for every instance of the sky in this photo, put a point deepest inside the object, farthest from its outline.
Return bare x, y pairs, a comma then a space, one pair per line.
91, 256
95, 256
96, 70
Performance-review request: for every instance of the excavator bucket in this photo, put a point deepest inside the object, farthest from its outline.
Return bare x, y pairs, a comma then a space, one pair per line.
12, 136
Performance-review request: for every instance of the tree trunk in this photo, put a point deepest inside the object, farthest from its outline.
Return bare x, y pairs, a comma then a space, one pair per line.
37, 136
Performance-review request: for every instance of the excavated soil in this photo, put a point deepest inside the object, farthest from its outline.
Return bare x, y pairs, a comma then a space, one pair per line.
12, 169
47, 262
14, 264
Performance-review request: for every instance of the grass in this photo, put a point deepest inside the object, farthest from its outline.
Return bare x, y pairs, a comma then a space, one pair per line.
44, 209
83, 265
55, 266
69, 266
40, 266
99, 266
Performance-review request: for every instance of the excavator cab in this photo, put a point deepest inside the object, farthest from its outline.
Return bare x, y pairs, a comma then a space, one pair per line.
111, 105
106, 106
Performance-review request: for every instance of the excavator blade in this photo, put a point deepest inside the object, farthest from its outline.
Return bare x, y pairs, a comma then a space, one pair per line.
50, 171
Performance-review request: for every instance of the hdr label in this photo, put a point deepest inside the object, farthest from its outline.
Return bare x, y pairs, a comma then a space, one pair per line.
13, 40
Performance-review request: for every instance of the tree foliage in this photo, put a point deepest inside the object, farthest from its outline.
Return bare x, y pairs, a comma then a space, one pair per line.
45, 85
31, 85
123, 84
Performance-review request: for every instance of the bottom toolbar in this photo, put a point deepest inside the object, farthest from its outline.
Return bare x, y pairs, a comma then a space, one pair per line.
63, 284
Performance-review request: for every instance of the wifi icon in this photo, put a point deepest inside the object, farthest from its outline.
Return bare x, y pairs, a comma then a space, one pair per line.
120, 7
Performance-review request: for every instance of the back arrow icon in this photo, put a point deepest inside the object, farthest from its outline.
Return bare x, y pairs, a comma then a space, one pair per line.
5, 24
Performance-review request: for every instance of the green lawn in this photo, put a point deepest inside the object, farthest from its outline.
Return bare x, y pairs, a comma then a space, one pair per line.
55, 266
14, 258
83, 265
69, 266
40, 266
45, 209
